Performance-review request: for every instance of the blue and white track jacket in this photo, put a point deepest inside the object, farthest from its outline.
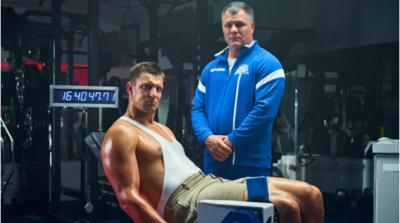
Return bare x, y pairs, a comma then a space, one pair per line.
242, 104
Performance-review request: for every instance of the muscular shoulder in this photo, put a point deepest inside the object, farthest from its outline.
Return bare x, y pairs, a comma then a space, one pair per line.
121, 136
167, 129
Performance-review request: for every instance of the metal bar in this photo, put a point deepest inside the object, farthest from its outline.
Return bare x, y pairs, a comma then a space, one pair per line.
12, 159
2, 155
82, 158
70, 81
202, 35
93, 80
56, 127
201, 56
93, 184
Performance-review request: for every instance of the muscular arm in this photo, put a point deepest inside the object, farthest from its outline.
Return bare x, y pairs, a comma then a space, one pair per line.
120, 165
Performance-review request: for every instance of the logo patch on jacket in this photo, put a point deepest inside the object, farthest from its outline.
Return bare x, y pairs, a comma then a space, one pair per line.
217, 69
243, 69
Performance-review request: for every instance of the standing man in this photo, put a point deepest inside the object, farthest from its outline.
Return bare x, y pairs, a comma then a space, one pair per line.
237, 99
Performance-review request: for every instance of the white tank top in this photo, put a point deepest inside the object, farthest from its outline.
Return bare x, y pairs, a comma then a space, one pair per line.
177, 166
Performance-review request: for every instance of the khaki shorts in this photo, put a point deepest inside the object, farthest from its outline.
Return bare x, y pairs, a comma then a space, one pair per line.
181, 207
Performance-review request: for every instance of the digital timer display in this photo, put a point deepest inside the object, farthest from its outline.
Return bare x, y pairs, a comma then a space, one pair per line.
83, 96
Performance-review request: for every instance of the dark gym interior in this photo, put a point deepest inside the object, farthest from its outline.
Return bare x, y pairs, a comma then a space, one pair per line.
341, 63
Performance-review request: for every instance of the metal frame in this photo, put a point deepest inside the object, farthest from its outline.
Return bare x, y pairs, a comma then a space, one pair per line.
70, 87
6, 183
93, 117
55, 153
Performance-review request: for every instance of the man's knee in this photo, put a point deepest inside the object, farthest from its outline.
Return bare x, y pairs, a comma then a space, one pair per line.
312, 200
315, 193
288, 207
310, 192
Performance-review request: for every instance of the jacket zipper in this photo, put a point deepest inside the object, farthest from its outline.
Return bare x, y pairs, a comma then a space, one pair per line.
234, 116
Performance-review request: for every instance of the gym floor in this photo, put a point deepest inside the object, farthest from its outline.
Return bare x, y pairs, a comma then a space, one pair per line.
339, 217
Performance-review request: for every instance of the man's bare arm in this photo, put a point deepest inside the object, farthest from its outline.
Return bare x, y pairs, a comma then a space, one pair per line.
120, 165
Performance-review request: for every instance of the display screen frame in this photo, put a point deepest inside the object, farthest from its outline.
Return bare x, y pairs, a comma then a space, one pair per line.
86, 104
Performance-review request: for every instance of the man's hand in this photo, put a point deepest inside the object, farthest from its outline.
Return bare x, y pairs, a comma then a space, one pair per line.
227, 142
218, 149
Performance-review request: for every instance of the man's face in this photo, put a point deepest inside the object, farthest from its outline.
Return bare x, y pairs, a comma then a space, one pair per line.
237, 29
146, 92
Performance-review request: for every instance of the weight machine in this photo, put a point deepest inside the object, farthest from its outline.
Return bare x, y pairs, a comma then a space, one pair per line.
82, 97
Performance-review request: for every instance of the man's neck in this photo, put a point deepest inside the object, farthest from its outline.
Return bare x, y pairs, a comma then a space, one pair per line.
234, 53
141, 117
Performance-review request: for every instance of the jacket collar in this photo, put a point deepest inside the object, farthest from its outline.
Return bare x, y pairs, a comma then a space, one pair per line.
222, 55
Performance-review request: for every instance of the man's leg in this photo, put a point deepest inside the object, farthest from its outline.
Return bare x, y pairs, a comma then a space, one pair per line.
308, 197
291, 197
288, 209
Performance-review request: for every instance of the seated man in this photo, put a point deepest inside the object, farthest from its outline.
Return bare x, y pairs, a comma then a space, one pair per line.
155, 182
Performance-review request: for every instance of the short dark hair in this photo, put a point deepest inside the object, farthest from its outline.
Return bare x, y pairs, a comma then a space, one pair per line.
235, 7
148, 67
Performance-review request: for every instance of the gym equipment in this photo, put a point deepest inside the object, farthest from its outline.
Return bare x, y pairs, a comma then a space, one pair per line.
7, 182
29, 85
386, 179
356, 199
305, 156
342, 198
94, 141
7, 119
34, 154
34, 124
106, 193
368, 199
255, 211
83, 97
217, 211
257, 187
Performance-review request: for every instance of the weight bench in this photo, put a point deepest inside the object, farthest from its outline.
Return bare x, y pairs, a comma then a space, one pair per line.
94, 141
